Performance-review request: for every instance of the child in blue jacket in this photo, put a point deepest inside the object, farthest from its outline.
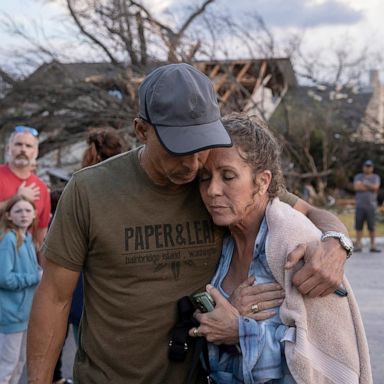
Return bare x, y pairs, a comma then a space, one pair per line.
19, 276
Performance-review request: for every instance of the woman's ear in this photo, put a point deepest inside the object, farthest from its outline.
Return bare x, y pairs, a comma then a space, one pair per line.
264, 179
141, 129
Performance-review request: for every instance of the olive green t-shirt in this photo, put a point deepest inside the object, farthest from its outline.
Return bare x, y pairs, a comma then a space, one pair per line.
141, 248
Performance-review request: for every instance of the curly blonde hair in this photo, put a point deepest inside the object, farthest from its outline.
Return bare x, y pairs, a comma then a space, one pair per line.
257, 147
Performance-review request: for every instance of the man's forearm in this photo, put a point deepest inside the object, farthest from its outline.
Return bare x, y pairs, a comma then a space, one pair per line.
46, 334
323, 219
373, 187
326, 221
324, 264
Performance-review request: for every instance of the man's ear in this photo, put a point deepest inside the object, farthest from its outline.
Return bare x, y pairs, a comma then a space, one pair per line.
141, 129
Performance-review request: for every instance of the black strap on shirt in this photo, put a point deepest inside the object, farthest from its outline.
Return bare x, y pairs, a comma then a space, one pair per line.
180, 340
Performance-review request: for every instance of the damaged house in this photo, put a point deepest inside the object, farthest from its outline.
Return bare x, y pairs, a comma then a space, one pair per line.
327, 131
63, 100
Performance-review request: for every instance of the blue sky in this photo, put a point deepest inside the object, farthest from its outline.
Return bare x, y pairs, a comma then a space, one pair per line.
323, 22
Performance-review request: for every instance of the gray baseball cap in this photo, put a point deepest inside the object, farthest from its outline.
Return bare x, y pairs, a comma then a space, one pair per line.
180, 102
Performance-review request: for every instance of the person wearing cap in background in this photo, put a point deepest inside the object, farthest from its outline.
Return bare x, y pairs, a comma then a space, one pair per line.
17, 176
136, 227
366, 185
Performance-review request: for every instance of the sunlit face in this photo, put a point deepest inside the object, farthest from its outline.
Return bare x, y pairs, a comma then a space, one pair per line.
22, 150
22, 214
229, 189
171, 169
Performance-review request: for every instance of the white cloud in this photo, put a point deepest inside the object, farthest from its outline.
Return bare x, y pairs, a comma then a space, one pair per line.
302, 13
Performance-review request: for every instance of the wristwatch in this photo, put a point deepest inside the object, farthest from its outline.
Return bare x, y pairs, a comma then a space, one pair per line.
345, 241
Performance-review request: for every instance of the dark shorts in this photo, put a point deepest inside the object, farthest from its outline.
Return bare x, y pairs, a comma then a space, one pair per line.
363, 214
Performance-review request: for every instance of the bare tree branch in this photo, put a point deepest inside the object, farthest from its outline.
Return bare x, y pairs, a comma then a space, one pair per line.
150, 18
193, 16
142, 39
89, 35
124, 20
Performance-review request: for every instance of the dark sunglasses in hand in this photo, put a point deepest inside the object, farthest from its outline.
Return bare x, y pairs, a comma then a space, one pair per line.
24, 128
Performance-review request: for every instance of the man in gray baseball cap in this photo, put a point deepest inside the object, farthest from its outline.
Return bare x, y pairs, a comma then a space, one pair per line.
136, 227
181, 104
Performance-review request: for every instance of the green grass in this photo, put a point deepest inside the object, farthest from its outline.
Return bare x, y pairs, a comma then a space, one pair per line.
348, 218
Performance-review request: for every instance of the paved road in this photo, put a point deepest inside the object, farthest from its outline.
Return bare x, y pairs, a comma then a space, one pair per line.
365, 272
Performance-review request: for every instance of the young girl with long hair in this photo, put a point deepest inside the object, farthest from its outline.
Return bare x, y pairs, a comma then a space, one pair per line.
19, 276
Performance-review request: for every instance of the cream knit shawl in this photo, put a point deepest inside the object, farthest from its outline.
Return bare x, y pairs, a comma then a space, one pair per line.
331, 345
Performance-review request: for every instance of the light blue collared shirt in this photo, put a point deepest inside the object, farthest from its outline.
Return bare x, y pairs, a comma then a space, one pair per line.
262, 357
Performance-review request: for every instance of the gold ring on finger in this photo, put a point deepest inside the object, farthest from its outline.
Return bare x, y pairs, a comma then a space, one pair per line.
255, 308
196, 332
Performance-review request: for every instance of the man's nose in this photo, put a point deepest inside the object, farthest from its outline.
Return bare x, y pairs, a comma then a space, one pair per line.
191, 162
